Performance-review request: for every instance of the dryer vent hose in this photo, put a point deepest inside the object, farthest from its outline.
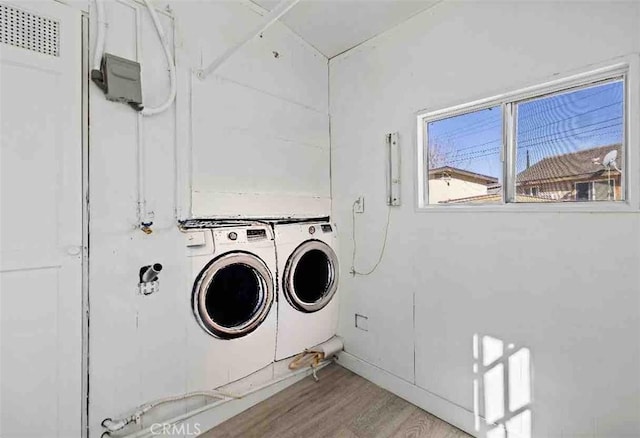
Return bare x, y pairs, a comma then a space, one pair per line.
314, 356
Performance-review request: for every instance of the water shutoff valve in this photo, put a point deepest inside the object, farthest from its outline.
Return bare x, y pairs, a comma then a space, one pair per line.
149, 282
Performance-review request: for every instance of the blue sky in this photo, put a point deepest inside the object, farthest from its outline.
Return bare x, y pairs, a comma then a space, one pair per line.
554, 125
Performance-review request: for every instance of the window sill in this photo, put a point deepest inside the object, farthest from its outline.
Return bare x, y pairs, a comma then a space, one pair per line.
578, 207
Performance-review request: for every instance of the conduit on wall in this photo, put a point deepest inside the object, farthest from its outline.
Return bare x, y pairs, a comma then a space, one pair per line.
145, 220
99, 51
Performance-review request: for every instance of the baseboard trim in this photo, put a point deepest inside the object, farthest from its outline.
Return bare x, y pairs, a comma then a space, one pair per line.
432, 403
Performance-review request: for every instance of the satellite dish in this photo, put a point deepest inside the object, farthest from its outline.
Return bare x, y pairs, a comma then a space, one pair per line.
609, 160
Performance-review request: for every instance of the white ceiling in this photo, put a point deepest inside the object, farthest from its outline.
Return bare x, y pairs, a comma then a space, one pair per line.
334, 26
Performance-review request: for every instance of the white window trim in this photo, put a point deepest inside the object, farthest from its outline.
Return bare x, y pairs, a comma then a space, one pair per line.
626, 67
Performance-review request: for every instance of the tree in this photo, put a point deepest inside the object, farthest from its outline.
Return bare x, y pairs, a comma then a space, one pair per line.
437, 155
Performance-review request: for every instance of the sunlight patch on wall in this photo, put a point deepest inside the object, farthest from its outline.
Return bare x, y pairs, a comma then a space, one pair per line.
501, 388
494, 394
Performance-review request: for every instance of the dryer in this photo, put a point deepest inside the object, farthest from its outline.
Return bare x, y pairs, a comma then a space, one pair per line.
232, 319
307, 286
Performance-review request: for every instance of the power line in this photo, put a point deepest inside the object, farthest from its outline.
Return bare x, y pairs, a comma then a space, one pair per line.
569, 130
548, 110
572, 117
490, 124
478, 154
523, 142
569, 136
539, 127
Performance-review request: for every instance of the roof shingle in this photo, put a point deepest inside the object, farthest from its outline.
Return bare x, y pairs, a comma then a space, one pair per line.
575, 165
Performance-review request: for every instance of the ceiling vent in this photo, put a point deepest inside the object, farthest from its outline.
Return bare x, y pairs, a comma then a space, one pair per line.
29, 31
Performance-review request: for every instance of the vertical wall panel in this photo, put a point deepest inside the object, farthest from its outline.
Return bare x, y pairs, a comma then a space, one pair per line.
138, 343
562, 284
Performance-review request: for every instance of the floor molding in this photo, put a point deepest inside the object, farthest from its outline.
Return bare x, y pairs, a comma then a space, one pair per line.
436, 405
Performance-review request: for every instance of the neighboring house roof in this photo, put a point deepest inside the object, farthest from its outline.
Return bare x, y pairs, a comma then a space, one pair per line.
466, 175
492, 199
575, 165
492, 189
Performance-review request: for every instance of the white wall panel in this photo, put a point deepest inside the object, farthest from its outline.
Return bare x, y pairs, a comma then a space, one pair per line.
41, 242
274, 90
242, 166
31, 366
249, 142
562, 284
139, 350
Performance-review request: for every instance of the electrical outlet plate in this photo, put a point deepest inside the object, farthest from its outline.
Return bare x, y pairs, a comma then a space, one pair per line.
149, 288
359, 205
362, 322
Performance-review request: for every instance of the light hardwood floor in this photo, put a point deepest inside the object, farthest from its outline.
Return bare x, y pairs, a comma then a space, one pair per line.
342, 405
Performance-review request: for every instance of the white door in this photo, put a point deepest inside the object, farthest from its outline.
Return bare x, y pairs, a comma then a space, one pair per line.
40, 219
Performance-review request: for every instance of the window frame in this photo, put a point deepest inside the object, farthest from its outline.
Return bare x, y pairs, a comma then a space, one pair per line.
626, 72
592, 189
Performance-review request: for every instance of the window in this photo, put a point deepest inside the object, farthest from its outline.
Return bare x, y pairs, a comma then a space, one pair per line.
583, 191
604, 190
559, 144
565, 138
465, 164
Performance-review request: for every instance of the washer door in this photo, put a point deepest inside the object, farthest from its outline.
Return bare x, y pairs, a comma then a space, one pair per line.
232, 295
311, 276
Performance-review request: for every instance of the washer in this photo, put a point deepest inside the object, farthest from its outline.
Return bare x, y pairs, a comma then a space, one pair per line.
307, 286
232, 327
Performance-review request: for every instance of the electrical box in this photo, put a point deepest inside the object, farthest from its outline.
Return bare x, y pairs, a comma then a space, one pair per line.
119, 78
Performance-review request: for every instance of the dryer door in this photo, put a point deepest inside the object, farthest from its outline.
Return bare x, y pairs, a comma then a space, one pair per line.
232, 295
311, 276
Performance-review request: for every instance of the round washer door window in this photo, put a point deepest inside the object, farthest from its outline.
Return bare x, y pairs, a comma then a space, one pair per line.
232, 295
311, 276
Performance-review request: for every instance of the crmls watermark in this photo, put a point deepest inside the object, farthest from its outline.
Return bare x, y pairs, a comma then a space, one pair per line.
175, 429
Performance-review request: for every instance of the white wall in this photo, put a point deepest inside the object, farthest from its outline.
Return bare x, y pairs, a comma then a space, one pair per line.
441, 190
138, 344
260, 130
565, 285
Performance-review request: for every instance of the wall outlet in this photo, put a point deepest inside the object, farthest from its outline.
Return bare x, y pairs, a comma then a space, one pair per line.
359, 205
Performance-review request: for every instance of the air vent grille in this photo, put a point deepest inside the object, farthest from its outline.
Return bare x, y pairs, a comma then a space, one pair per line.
29, 31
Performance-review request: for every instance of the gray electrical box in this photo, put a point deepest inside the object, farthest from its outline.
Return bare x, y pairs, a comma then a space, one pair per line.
119, 78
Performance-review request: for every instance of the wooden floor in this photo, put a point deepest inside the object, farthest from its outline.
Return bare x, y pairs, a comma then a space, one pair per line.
341, 405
